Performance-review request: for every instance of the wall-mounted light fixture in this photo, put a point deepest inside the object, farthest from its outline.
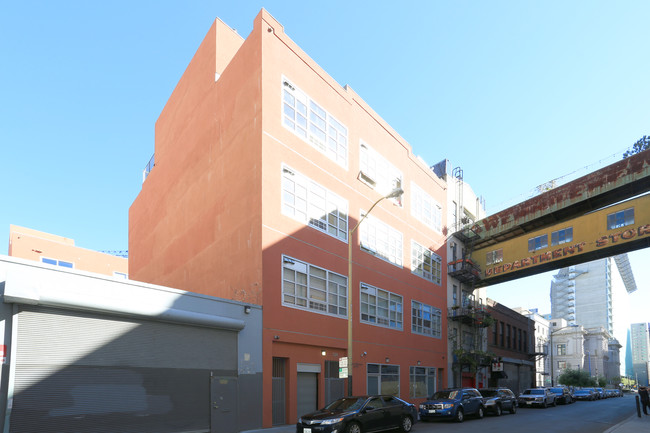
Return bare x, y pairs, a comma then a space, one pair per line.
322, 352
419, 363
387, 359
276, 337
247, 309
364, 354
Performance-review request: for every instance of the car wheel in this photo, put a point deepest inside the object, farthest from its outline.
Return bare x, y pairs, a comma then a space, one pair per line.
545, 405
353, 427
513, 409
498, 411
406, 424
554, 403
460, 415
480, 412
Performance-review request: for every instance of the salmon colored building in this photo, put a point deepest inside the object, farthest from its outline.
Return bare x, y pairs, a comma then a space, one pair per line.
57, 250
263, 165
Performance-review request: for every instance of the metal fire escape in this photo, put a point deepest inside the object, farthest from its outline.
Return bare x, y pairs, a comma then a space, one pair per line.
470, 315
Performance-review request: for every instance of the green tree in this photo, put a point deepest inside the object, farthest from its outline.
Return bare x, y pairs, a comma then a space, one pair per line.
602, 381
576, 378
639, 146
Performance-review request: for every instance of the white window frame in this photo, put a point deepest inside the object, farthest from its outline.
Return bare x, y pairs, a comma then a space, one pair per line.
425, 208
314, 205
419, 311
378, 173
313, 288
381, 307
381, 240
308, 120
420, 255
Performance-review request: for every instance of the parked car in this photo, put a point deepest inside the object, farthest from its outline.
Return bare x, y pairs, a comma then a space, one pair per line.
597, 395
584, 394
537, 397
360, 414
456, 404
601, 392
562, 395
496, 400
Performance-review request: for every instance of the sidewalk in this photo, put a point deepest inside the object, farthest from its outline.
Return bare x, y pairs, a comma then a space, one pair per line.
633, 424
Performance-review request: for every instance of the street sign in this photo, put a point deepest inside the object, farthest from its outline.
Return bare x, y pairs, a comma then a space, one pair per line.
343, 367
497, 366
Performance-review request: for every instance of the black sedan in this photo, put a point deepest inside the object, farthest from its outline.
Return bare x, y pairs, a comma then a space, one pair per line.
360, 414
497, 400
562, 395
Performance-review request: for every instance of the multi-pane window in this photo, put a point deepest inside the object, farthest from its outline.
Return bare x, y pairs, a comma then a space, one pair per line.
425, 208
562, 236
312, 288
376, 171
381, 240
561, 349
620, 219
494, 257
425, 319
56, 262
380, 307
310, 203
312, 123
538, 243
383, 379
425, 263
423, 382
561, 365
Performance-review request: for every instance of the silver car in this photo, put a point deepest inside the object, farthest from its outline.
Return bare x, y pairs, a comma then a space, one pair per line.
542, 397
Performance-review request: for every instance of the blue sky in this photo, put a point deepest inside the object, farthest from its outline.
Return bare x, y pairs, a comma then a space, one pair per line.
516, 93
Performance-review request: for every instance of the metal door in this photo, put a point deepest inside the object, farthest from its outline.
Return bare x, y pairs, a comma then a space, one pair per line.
223, 408
307, 393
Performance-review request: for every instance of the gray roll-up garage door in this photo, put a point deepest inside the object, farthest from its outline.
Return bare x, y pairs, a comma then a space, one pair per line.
85, 372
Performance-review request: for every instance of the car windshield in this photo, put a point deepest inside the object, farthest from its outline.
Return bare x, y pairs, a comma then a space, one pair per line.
534, 391
448, 393
489, 392
351, 403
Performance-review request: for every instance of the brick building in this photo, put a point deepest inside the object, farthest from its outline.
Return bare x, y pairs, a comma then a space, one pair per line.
264, 166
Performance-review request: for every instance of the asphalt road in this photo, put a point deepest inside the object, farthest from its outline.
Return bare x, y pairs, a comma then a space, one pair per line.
579, 417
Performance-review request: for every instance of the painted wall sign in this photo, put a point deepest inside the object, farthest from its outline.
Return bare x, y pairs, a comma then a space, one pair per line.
589, 233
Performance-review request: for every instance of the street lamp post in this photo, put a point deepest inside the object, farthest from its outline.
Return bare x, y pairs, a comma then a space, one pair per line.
393, 194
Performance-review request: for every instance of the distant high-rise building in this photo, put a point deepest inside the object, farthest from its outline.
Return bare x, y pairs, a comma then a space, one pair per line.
584, 294
640, 345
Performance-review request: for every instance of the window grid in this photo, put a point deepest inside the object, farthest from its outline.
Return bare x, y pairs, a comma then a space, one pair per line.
312, 123
620, 219
425, 263
312, 288
493, 257
380, 307
379, 170
381, 240
382, 379
310, 203
57, 262
425, 319
423, 382
538, 243
425, 208
562, 236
